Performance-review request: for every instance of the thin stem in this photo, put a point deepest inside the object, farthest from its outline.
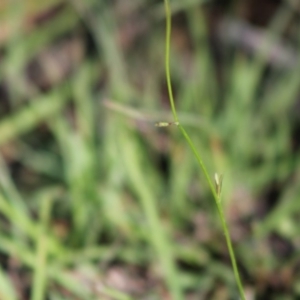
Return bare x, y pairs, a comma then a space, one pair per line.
216, 195
167, 59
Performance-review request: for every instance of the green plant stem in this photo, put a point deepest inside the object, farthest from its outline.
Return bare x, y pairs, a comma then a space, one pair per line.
216, 195
167, 59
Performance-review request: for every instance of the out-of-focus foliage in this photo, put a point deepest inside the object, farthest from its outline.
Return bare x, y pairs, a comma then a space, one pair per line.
98, 202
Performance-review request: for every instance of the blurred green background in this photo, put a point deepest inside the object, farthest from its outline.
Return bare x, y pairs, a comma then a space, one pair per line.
98, 203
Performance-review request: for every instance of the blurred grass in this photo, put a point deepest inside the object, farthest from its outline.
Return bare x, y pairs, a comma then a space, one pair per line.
85, 189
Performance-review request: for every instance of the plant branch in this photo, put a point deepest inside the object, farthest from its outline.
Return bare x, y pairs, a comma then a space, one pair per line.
216, 195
